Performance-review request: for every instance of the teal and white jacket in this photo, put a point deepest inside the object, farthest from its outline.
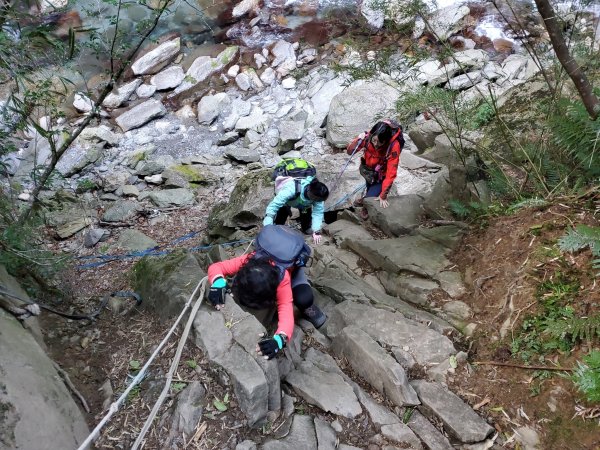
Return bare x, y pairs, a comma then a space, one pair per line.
286, 195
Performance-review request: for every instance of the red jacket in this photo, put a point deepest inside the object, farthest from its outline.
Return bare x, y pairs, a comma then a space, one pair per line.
285, 308
385, 159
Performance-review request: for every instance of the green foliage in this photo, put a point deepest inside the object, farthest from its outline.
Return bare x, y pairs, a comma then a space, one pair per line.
472, 211
575, 328
221, 406
135, 365
582, 236
191, 363
528, 203
554, 299
178, 386
587, 376
483, 115
86, 185
573, 130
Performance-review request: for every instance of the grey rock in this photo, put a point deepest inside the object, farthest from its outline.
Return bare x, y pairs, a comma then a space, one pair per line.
129, 190
400, 218
188, 410
321, 100
284, 55
82, 102
379, 414
458, 310
427, 346
93, 236
169, 78
528, 437
38, 411
423, 134
157, 57
121, 211
121, 95
326, 437
344, 230
430, 435
256, 121
373, 364
145, 91
249, 383
172, 197
243, 155
158, 179
211, 106
355, 110
464, 81
100, 134
443, 22
150, 168
246, 445
302, 436
228, 138
290, 132
243, 81
401, 434
327, 390
205, 66
141, 114
268, 76
135, 240
458, 418
408, 287
404, 358
166, 283
73, 226
75, 160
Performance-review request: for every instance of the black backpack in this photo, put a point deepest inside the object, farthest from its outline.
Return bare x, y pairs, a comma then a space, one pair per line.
282, 245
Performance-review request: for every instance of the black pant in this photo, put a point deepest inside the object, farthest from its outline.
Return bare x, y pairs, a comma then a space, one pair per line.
286, 211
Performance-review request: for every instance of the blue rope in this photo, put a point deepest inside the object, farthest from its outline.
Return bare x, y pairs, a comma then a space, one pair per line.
105, 259
360, 187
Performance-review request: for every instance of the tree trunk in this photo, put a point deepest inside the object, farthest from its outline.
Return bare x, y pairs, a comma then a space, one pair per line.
590, 101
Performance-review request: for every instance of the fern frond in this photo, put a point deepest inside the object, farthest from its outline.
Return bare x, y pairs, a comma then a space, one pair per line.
528, 203
576, 328
587, 376
581, 237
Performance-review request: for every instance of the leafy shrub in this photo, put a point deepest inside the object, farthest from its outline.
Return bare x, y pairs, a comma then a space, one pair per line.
587, 376
483, 115
582, 236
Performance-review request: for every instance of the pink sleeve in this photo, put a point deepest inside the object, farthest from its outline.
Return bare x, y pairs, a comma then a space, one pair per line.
227, 267
285, 306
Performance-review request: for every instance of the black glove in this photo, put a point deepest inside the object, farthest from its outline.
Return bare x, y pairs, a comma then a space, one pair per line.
216, 294
269, 347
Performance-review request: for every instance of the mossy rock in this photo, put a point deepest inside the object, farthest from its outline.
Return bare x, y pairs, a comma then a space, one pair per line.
165, 283
193, 174
246, 207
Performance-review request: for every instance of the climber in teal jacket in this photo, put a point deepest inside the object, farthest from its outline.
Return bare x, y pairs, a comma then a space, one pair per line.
308, 195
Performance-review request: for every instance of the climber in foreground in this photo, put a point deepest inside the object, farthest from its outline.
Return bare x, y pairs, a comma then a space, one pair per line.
379, 163
271, 276
296, 186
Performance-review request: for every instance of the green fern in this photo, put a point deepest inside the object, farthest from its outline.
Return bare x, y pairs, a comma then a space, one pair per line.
582, 236
528, 203
459, 209
575, 328
587, 376
573, 130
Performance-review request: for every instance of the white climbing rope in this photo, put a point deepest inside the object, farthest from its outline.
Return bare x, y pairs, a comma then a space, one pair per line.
169, 379
114, 407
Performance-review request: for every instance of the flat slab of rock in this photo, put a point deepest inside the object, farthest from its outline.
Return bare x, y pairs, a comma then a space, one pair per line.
402, 435
243, 155
342, 230
326, 437
426, 345
458, 418
429, 434
169, 78
121, 211
121, 95
141, 114
172, 197
373, 364
157, 57
400, 218
302, 436
135, 240
327, 390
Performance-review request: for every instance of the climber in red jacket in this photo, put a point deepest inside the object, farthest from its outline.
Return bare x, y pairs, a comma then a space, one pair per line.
379, 163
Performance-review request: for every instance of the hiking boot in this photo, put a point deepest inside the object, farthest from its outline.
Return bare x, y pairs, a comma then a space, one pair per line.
315, 316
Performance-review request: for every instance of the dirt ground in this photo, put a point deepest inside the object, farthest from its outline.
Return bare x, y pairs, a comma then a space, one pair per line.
502, 263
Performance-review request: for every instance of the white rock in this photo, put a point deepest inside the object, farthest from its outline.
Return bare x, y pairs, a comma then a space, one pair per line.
289, 83
254, 80
233, 71
82, 102
259, 60
243, 81
154, 58
24, 197
186, 112
371, 55
50, 5
169, 78
121, 95
210, 106
244, 7
154, 179
145, 91
268, 76
265, 52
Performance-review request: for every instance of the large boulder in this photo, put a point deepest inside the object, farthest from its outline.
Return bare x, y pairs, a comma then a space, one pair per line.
166, 283
246, 207
443, 23
357, 108
155, 59
37, 411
